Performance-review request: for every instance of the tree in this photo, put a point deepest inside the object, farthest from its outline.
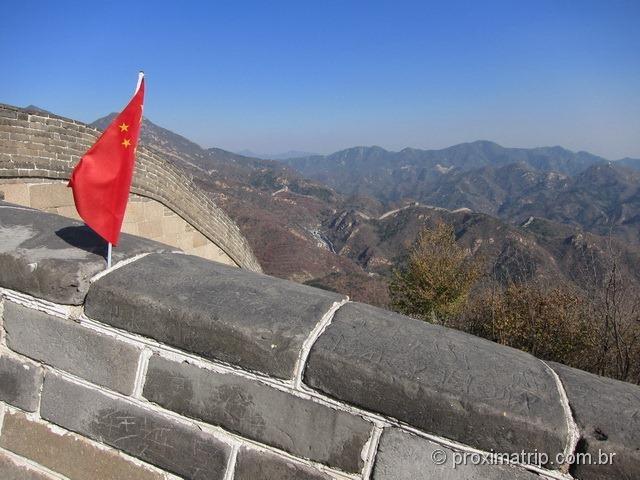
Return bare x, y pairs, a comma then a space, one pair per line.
435, 283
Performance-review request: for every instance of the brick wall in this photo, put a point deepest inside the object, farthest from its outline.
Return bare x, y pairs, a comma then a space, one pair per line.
168, 366
43, 146
144, 217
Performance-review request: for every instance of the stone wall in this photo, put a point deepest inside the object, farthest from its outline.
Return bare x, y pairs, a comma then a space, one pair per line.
169, 366
43, 148
144, 217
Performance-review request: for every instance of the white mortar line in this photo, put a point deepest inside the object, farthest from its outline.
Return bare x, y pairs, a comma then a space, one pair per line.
370, 451
231, 463
573, 432
26, 462
169, 476
228, 438
36, 303
141, 372
118, 265
2, 410
36, 414
3, 334
311, 339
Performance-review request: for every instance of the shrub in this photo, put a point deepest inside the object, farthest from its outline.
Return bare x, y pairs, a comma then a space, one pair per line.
549, 322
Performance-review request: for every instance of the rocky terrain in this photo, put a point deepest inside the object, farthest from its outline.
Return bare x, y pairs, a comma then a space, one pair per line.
535, 212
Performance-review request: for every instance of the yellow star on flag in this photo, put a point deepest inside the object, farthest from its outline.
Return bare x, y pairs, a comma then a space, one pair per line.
124, 127
126, 143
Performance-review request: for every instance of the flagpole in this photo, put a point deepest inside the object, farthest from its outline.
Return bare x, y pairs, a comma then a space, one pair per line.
110, 247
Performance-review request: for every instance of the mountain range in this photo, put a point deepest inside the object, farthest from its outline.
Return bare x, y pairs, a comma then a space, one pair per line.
345, 221
411, 173
514, 184
276, 156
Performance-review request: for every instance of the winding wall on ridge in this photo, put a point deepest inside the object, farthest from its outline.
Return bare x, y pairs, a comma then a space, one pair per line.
37, 146
170, 366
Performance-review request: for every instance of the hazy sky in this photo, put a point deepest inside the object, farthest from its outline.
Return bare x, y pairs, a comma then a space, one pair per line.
324, 75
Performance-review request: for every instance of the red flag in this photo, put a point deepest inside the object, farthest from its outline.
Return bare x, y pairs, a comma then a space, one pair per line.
102, 179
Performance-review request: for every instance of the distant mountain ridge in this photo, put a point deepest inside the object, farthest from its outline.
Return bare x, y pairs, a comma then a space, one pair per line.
630, 162
392, 176
574, 188
276, 156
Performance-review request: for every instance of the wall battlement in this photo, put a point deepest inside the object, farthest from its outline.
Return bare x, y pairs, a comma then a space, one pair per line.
37, 146
170, 366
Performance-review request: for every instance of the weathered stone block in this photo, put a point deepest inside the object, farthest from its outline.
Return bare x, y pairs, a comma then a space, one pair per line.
16, 193
151, 228
219, 312
608, 414
69, 454
13, 469
52, 257
256, 465
262, 413
47, 195
439, 380
150, 436
20, 382
66, 345
402, 456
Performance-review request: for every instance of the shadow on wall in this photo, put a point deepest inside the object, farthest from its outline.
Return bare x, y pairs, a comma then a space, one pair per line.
84, 238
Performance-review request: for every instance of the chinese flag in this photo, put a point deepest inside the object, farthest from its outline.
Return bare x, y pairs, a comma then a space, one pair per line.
102, 179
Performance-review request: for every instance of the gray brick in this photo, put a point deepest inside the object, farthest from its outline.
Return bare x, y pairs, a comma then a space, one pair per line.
68, 346
13, 469
439, 380
402, 456
52, 257
257, 465
608, 414
218, 312
150, 436
20, 382
254, 410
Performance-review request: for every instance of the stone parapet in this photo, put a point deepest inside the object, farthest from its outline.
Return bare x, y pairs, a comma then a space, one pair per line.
38, 145
168, 366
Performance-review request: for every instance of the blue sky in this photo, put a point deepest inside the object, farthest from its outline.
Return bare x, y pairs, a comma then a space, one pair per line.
319, 76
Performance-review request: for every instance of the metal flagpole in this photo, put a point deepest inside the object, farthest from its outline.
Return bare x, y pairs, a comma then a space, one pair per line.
109, 255
110, 247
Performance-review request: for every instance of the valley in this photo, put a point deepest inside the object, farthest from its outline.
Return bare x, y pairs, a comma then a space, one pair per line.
343, 222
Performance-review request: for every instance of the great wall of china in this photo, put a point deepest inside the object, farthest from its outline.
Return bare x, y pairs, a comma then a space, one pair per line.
171, 365
39, 150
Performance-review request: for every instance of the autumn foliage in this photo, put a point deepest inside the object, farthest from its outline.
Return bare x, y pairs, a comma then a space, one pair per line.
595, 328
